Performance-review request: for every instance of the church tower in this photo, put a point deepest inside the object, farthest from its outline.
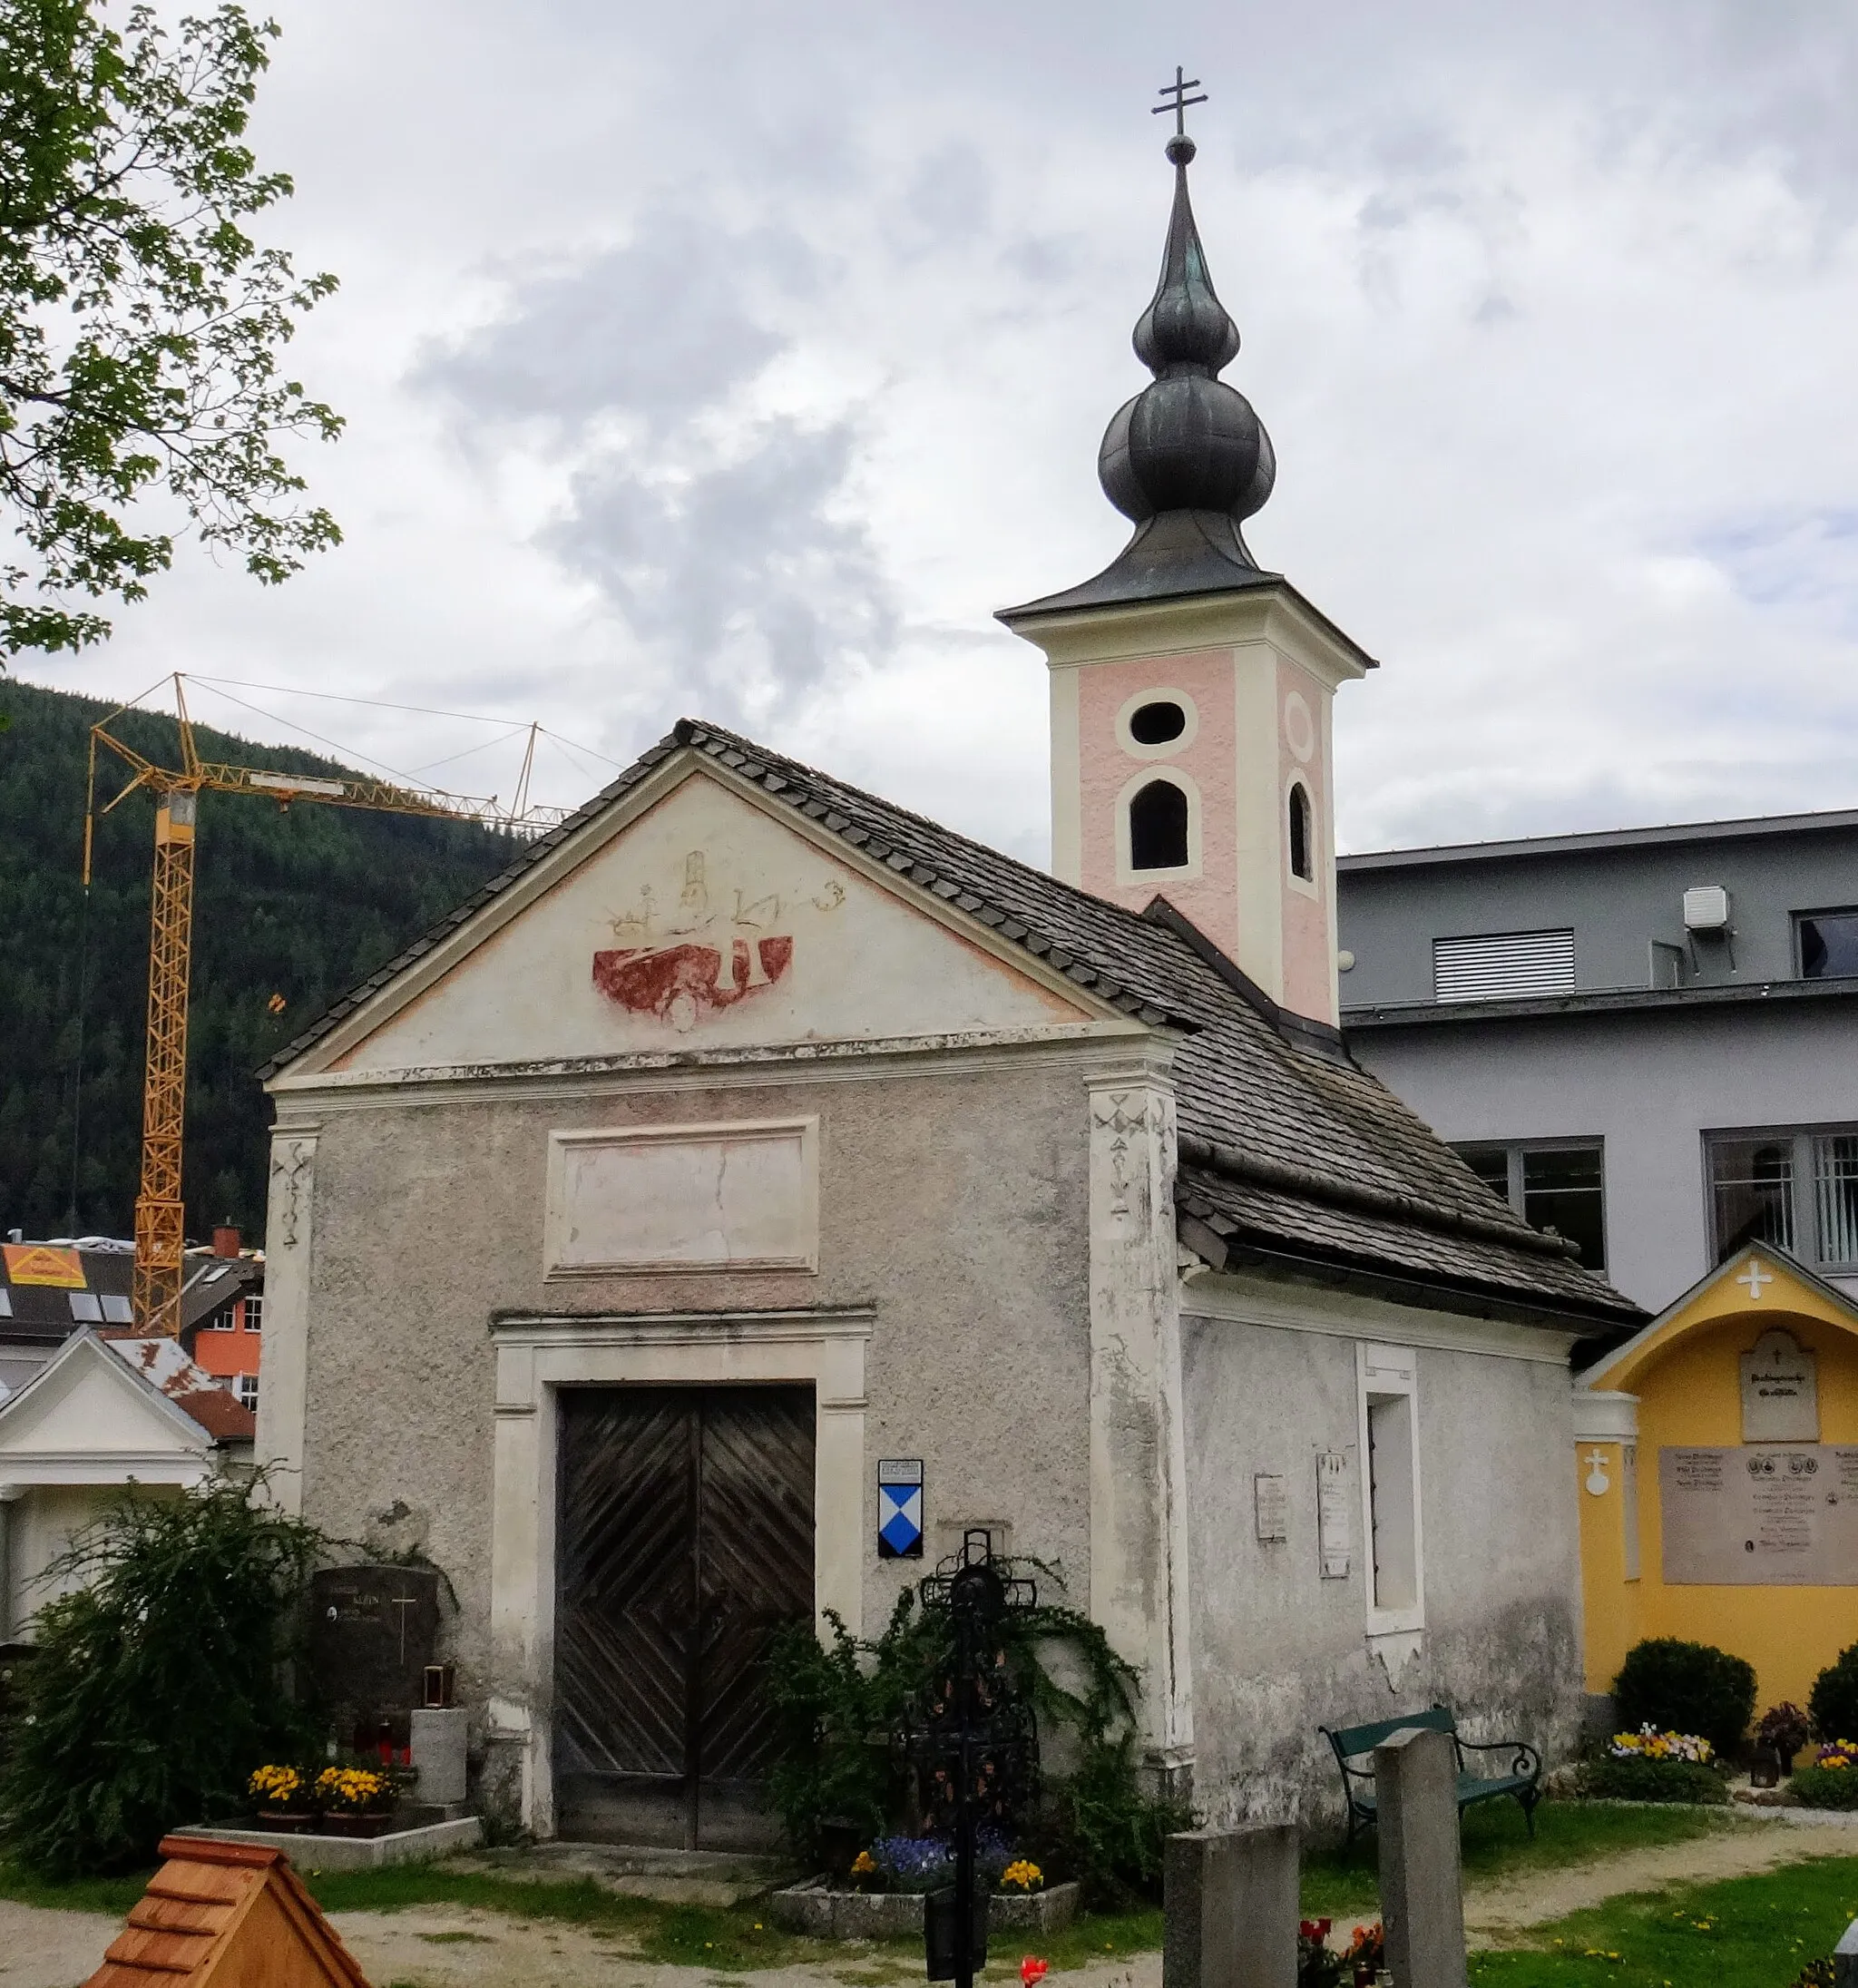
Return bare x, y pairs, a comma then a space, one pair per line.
1190, 691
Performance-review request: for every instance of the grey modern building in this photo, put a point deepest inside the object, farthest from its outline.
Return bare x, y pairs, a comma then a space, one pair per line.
1648, 1038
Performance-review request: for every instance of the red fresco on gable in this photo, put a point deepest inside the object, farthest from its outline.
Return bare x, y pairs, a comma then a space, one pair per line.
683, 983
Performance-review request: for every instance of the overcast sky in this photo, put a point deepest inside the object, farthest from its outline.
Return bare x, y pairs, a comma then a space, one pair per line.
740, 359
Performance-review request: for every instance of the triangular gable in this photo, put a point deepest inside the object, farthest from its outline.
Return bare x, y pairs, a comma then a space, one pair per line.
86, 1402
694, 916
1758, 1283
220, 1914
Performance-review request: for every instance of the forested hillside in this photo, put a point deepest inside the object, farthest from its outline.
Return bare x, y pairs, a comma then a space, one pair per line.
296, 904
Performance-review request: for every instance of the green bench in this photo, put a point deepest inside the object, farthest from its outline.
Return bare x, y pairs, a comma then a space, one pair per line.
1353, 1743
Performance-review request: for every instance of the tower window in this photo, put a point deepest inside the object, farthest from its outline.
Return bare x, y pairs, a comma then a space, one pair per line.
1157, 724
1302, 862
1157, 827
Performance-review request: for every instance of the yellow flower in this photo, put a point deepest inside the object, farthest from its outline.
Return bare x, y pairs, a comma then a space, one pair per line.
1024, 1874
863, 1864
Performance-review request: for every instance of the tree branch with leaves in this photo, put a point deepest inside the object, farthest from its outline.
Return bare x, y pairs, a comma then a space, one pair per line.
141, 327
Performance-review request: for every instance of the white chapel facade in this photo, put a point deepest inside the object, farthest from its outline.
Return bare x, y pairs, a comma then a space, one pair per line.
751, 1137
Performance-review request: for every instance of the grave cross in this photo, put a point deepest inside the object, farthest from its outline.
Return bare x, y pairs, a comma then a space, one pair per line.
1754, 1278
1177, 89
403, 1602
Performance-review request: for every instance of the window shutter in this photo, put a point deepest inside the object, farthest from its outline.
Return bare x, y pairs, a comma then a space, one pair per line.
1496, 964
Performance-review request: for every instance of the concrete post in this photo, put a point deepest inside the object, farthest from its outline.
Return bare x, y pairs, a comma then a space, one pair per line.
1229, 1906
1846, 1958
1416, 1817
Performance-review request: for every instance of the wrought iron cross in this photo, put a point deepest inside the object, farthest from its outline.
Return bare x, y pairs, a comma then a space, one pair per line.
1177, 89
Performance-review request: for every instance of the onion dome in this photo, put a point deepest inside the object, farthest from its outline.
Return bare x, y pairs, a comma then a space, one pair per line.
1187, 460
1186, 442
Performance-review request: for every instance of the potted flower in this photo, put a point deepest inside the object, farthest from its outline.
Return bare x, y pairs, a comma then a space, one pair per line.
355, 1801
1783, 1731
281, 1798
867, 1874
1023, 1877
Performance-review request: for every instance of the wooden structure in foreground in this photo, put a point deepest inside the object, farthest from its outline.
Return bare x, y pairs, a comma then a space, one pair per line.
226, 1916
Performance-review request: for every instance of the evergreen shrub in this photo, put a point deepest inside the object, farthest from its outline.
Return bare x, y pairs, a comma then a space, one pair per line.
1833, 1703
1652, 1781
156, 1686
1674, 1686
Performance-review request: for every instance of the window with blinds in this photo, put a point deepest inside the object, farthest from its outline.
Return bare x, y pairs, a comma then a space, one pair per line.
1494, 964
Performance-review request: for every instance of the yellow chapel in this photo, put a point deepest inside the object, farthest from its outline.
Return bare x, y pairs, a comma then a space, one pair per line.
1717, 1460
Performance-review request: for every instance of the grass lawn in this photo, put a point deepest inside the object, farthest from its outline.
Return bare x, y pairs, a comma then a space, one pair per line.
1741, 1933
1495, 1839
730, 1939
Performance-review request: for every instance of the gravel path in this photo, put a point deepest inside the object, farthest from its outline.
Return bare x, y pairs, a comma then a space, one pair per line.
435, 1946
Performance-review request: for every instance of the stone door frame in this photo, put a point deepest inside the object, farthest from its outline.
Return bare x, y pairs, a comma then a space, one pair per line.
537, 1354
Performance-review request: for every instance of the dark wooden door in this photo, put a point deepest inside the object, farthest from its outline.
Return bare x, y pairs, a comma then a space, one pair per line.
685, 1536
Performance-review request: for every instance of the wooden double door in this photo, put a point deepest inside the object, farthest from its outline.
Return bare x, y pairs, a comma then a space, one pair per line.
685, 1540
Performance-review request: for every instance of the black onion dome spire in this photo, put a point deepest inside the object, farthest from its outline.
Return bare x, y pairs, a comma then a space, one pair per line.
1188, 441
1187, 460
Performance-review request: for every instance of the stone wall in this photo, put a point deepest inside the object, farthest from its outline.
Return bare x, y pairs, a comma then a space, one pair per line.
952, 1200
1278, 1649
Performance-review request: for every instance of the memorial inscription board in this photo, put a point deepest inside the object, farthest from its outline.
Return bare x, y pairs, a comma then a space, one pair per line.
1780, 1390
1758, 1517
372, 1633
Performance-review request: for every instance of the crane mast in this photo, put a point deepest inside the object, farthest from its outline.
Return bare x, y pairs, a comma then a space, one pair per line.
159, 1210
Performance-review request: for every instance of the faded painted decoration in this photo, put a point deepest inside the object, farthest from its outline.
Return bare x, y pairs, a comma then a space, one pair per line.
1743, 1530
699, 923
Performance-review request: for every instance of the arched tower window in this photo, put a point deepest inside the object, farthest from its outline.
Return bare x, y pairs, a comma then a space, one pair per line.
1303, 860
1157, 827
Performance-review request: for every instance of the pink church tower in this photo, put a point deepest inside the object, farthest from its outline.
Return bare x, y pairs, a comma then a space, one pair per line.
1192, 755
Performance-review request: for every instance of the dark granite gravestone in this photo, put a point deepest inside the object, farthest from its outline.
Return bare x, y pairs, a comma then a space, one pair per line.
372, 1634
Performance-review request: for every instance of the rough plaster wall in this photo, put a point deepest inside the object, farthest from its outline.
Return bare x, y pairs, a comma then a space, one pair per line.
956, 1202
1278, 1652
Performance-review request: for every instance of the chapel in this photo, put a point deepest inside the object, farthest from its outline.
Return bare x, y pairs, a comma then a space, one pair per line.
757, 1187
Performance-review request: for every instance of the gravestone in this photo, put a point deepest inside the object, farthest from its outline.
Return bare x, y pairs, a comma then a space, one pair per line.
1846, 1958
1416, 1818
372, 1634
1229, 1906
1780, 1390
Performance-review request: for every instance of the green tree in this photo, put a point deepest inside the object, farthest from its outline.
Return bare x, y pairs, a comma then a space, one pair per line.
141, 325
155, 1686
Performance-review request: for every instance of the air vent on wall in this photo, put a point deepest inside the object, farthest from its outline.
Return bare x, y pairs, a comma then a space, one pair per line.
1495, 965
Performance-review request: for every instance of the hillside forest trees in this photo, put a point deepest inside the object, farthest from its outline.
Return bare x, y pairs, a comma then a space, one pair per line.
293, 906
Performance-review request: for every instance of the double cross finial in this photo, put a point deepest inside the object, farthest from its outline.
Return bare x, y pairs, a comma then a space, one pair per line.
1177, 89
1180, 147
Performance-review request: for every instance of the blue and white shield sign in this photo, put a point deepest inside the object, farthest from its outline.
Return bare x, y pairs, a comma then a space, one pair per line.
900, 1508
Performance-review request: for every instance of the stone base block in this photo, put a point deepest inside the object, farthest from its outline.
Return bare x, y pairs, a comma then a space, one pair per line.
419, 1845
826, 1914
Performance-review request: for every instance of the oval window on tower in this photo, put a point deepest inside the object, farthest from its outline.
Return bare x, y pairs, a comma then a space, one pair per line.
1159, 723
1302, 862
1157, 827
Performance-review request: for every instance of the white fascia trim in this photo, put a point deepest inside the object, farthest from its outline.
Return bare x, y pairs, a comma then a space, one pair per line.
1600, 1416
850, 1060
1345, 1315
593, 836
66, 1467
1075, 638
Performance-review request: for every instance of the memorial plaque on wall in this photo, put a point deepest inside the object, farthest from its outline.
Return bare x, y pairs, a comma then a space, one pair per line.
1332, 1514
1755, 1517
1780, 1390
372, 1634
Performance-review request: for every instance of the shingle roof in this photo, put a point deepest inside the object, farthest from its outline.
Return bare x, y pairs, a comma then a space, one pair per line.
224, 1910
1355, 1178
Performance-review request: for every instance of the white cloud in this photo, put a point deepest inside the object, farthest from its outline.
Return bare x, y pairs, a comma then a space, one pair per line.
746, 359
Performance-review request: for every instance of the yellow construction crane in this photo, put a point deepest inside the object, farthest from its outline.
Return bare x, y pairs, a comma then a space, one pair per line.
160, 1215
